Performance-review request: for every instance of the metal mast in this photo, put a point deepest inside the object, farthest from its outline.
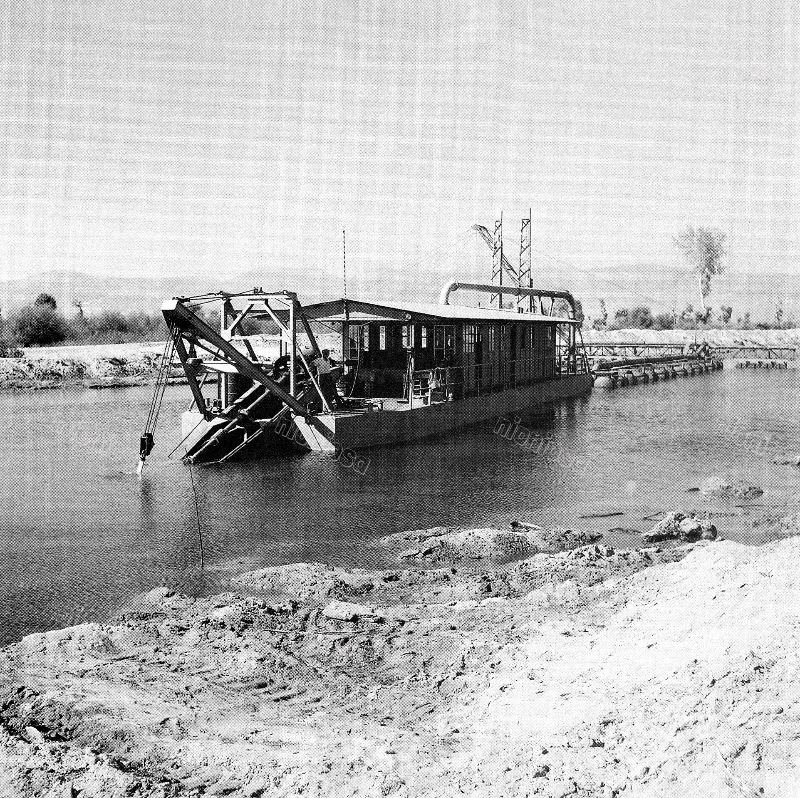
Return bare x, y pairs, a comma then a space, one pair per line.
524, 275
497, 261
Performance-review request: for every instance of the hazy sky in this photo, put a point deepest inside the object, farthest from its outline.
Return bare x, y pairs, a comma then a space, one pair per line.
216, 137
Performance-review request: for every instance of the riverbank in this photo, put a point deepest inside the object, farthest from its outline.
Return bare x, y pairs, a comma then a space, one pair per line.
489, 662
775, 338
124, 365
95, 366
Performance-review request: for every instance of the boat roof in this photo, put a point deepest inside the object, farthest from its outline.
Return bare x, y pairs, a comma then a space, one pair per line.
356, 310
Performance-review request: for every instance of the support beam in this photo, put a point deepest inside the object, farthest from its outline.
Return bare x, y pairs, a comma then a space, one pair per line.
524, 275
197, 393
180, 317
497, 262
231, 331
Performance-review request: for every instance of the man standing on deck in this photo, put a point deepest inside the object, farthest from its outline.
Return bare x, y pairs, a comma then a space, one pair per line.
324, 366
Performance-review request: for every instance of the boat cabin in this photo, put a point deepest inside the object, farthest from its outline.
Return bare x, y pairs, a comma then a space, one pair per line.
419, 352
398, 357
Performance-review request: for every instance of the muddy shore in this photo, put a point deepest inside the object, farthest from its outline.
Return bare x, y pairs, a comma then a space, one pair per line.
489, 662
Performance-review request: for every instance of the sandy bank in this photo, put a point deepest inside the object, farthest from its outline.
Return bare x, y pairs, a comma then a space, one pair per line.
713, 337
586, 672
92, 366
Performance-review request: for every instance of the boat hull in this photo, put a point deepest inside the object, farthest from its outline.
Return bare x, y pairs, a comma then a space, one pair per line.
387, 427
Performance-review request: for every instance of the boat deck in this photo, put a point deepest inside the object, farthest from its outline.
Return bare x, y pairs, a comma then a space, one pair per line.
379, 404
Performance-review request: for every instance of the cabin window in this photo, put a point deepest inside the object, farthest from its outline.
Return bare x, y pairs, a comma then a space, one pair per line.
492, 337
424, 336
358, 340
524, 332
470, 337
382, 337
408, 336
443, 342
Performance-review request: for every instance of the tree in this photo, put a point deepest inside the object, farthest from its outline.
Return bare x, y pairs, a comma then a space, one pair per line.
703, 316
703, 248
45, 301
39, 325
664, 321
686, 319
601, 322
725, 313
641, 317
622, 319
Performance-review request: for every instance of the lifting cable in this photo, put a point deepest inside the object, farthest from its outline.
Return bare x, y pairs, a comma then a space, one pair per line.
146, 441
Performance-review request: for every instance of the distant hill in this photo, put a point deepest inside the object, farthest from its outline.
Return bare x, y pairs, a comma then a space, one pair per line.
658, 288
125, 293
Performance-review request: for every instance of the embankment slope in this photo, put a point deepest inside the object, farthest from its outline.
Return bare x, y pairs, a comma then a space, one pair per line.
587, 673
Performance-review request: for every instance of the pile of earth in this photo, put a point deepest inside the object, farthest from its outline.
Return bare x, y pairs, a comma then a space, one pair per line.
587, 672
447, 545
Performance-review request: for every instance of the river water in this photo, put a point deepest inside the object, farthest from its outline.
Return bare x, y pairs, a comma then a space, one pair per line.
80, 533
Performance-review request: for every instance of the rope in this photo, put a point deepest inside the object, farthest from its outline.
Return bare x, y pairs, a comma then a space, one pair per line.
146, 440
161, 384
197, 517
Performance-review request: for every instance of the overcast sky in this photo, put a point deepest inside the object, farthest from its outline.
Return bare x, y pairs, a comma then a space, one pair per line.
216, 137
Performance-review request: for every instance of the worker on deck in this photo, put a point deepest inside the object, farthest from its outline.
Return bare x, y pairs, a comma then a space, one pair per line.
326, 368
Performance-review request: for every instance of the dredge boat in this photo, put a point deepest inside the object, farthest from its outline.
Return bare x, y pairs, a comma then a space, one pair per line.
404, 370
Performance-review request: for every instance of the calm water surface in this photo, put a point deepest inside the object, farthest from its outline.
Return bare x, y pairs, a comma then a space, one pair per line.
80, 533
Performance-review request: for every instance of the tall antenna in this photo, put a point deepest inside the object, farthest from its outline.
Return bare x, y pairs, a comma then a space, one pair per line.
524, 279
497, 261
344, 262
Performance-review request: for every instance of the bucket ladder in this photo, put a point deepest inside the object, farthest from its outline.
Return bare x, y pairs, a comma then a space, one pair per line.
252, 398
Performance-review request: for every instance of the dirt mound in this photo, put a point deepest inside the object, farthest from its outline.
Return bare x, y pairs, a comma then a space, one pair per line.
583, 672
444, 545
784, 527
730, 487
677, 526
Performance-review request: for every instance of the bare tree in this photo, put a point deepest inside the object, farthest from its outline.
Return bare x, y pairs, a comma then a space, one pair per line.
703, 249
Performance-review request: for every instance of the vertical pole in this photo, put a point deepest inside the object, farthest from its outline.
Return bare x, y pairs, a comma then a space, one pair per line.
292, 344
344, 263
524, 275
223, 328
346, 323
497, 261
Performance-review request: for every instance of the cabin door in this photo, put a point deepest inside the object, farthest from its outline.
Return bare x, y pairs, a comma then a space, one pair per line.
512, 350
478, 358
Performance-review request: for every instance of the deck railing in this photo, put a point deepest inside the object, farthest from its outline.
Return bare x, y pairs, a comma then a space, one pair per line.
486, 378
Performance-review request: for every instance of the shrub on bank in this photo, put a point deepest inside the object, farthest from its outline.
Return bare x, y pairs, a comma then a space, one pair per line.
642, 317
39, 325
7, 349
